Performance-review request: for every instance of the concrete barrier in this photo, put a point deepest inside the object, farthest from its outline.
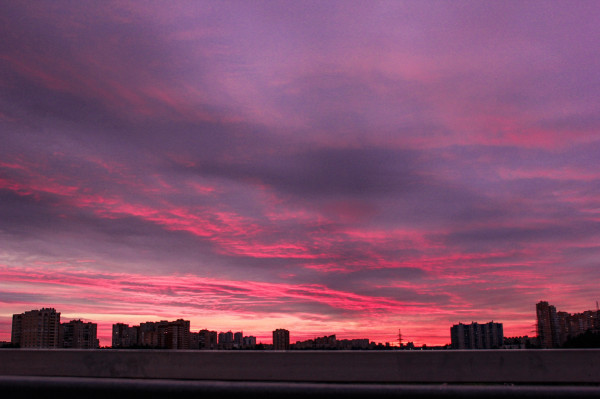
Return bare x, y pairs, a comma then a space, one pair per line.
80, 388
482, 366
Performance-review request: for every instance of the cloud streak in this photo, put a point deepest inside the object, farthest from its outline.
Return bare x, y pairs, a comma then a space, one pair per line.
326, 169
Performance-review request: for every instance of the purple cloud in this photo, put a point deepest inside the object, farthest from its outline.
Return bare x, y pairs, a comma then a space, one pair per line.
313, 166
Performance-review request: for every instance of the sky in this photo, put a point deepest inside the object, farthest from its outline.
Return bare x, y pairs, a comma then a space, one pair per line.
327, 167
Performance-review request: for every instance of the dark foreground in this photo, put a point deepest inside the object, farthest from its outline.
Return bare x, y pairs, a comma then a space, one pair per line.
270, 374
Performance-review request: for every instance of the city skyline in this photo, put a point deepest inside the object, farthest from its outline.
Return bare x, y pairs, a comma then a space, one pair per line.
314, 166
43, 328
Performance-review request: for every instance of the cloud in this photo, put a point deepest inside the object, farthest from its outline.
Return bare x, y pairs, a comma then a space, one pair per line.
313, 165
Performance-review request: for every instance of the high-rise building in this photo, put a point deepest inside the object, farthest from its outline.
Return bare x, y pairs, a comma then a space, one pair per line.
148, 333
17, 329
477, 336
281, 339
124, 336
36, 329
160, 334
249, 342
238, 340
326, 342
195, 340
555, 328
564, 327
548, 325
226, 340
207, 339
79, 335
174, 335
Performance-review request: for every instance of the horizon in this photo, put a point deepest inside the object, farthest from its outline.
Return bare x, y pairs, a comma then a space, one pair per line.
105, 330
318, 166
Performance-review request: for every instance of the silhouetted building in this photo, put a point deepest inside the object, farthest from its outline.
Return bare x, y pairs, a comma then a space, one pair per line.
563, 327
36, 329
238, 340
174, 334
124, 336
326, 342
523, 342
249, 342
207, 339
555, 328
79, 335
409, 346
281, 339
330, 342
352, 344
548, 328
160, 334
225, 340
578, 323
477, 336
194, 340
304, 345
148, 333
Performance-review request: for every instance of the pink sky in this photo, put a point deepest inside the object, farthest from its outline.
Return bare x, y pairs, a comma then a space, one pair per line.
327, 167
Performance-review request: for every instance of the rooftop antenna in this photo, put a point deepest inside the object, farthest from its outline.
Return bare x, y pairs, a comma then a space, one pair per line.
399, 338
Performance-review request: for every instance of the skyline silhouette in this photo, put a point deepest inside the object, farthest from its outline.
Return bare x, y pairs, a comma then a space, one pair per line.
316, 166
44, 328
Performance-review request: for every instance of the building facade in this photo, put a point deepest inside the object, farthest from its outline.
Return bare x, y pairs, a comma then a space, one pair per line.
238, 340
148, 333
79, 335
548, 327
160, 335
281, 339
477, 336
554, 328
124, 336
36, 329
225, 340
174, 334
249, 342
207, 339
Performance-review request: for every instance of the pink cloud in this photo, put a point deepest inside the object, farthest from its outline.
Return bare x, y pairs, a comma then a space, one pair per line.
70, 288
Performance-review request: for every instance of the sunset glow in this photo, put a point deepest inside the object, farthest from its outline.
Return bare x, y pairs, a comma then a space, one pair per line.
327, 167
